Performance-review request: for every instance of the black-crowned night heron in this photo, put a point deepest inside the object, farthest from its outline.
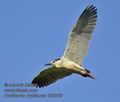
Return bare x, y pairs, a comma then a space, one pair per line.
72, 59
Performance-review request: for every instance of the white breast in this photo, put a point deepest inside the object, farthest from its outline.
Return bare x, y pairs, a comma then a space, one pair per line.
69, 64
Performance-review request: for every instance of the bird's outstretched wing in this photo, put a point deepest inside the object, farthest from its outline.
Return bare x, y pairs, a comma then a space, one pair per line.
80, 35
49, 76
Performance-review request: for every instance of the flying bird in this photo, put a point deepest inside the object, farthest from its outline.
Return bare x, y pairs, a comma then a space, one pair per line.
72, 59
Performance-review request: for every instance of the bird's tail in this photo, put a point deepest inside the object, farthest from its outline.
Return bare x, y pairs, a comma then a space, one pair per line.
88, 74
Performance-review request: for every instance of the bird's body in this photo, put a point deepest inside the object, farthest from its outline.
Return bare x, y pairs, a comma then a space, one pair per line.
67, 64
72, 67
72, 59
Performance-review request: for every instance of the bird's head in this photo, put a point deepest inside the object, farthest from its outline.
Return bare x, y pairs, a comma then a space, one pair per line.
53, 63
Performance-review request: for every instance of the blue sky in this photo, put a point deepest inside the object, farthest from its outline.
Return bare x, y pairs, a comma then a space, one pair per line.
34, 32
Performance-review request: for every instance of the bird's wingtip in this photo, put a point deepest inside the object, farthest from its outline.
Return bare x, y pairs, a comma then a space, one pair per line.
35, 82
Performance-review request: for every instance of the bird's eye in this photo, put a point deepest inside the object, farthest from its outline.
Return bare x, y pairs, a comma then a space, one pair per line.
54, 61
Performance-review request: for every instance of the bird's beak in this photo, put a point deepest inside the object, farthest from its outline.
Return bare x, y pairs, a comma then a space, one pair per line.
48, 64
